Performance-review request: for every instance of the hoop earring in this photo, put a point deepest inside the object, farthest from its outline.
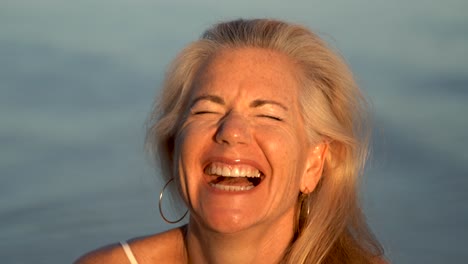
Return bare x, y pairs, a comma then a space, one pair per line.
305, 201
303, 214
160, 206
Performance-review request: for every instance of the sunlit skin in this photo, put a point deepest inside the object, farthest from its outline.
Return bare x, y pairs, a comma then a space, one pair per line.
243, 113
244, 110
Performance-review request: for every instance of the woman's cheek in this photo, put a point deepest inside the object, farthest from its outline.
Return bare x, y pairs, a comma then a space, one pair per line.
277, 135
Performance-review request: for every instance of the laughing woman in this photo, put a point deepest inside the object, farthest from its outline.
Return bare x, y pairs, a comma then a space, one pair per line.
262, 128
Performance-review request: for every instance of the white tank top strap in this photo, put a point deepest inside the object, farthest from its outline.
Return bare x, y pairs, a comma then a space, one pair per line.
128, 252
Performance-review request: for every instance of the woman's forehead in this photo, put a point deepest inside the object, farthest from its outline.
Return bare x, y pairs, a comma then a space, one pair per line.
248, 71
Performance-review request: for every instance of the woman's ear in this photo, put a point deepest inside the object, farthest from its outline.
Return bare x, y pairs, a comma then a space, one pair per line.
314, 167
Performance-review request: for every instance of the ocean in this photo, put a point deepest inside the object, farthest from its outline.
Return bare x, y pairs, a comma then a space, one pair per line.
77, 81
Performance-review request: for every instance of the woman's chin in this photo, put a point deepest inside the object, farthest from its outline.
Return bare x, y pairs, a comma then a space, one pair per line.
230, 211
228, 223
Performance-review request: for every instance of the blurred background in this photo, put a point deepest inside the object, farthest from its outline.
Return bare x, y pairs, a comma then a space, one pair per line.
77, 80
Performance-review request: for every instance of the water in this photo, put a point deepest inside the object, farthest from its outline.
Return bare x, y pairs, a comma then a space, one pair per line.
77, 81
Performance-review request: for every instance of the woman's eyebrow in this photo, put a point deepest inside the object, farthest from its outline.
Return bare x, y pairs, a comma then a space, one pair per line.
208, 97
260, 102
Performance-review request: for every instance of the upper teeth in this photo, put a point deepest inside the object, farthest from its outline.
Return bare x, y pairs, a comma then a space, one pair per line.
232, 170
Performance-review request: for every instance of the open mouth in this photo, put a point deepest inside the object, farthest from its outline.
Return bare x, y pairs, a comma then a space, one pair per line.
233, 177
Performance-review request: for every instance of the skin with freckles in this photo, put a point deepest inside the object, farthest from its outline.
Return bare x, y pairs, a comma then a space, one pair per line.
247, 117
244, 111
243, 117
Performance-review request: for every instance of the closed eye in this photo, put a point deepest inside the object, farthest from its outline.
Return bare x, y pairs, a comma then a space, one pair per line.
203, 112
271, 117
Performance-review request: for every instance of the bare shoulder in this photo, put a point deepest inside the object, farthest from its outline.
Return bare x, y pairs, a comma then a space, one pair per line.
166, 246
107, 254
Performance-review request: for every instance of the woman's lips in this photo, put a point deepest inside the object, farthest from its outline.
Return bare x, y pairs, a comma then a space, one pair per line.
233, 177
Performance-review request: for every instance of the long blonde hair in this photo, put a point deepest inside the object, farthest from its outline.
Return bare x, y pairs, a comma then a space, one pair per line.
335, 230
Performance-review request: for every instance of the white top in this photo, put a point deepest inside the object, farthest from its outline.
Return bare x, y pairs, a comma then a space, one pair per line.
128, 252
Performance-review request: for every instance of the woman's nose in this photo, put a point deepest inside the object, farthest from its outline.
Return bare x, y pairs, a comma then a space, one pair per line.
233, 129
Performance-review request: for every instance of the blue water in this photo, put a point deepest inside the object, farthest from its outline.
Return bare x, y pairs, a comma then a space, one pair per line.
77, 82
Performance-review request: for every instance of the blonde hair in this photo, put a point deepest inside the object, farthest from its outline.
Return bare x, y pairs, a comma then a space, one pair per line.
334, 110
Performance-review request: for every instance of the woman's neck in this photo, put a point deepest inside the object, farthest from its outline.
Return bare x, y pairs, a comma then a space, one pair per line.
259, 244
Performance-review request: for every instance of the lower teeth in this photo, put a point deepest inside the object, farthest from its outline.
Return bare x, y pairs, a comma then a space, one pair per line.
231, 188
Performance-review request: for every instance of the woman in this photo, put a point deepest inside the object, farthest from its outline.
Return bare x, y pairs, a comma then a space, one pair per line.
261, 127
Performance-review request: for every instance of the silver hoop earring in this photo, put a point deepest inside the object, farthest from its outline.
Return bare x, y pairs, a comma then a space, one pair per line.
160, 206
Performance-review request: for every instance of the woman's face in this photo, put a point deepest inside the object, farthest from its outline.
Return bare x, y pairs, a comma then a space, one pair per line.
241, 152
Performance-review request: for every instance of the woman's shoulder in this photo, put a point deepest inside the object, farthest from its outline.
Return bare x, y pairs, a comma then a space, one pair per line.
108, 254
165, 246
